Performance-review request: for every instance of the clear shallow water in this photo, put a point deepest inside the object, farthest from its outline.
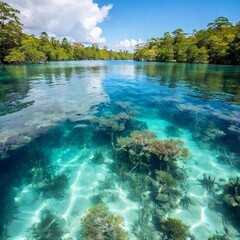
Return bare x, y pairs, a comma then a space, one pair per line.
45, 119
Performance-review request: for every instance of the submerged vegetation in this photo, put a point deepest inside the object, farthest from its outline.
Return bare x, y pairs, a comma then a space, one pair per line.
100, 224
53, 186
218, 237
218, 44
209, 183
50, 227
142, 149
173, 229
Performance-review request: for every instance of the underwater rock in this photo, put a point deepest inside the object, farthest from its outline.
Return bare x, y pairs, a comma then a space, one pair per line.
213, 133
231, 194
11, 140
174, 202
190, 107
234, 129
162, 198
230, 200
126, 107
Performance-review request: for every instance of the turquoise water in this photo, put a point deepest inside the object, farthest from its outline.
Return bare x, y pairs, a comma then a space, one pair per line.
49, 129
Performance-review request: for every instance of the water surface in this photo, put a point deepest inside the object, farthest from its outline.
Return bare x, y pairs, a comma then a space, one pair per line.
46, 113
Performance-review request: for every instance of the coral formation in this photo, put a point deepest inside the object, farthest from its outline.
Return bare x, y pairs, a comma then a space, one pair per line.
100, 224
112, 123
142, 148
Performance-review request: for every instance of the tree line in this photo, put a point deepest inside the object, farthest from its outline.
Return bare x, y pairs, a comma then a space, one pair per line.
19, 47
218, 44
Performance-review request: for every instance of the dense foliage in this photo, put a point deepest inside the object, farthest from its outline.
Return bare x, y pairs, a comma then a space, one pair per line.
10, 29
18, 47
219, 44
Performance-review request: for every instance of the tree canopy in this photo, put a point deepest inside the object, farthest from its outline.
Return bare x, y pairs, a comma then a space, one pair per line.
219, 43
18, 47
10, 29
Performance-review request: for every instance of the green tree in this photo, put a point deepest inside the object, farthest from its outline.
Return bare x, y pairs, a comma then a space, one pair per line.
10, 29
15, 56
234, 50
30, 48
218, 44
165, 51
181, 45
197, 55
67, 48
44, 38
219, 23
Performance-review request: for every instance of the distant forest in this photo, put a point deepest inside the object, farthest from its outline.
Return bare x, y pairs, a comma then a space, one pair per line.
218, 44
19, 47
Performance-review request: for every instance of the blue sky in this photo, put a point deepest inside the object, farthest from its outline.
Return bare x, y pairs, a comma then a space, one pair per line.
151, 18
120, 23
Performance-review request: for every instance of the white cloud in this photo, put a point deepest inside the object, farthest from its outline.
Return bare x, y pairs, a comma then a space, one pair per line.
76, 18
129, 44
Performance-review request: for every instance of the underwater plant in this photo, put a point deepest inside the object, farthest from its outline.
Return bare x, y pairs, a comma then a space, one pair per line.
218, 237
107, 190
186, 202
165, 178
208, 183
142, 148
150, 165
106, 184
97, 199
54, 186
50, 227
111, 126
98, 157
173, 229
137, 186
100, 224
